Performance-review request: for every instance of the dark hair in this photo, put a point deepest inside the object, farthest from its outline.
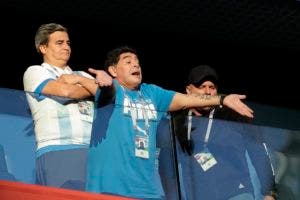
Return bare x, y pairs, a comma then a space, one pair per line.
113, 56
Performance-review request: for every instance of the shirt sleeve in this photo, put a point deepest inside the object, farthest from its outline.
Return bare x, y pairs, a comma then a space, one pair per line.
163, 97
35, 78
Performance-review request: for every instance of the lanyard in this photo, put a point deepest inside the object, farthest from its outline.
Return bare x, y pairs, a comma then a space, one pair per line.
55, 71
208, 130
133, 113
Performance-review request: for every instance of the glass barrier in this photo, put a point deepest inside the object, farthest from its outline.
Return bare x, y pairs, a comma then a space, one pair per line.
17, 144
231, 160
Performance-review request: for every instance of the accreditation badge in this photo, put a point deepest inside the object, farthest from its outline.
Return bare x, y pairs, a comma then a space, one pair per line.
205, 159
86, 110
142, 146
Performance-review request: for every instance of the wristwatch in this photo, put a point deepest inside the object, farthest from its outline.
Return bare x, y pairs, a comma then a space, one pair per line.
222, 97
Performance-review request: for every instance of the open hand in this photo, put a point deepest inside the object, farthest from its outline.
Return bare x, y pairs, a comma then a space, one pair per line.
234, 102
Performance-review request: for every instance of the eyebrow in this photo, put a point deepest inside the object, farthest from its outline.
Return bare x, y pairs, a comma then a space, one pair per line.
60, 41
126, 57
130, 56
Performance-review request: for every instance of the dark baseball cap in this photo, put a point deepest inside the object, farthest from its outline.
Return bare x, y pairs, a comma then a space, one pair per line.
202, 73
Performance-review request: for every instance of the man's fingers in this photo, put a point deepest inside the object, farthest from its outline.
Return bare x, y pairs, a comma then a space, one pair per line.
241, 96
93, 71
247, 111
234, 101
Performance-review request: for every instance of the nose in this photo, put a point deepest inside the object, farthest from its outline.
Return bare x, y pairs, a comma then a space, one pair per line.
137, 65
207, 90
67, 45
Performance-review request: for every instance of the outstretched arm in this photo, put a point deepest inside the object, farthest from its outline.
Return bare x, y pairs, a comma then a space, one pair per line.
233, 101
103, 79
105, 82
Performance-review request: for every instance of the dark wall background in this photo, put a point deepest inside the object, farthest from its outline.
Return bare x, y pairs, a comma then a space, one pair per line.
254, 46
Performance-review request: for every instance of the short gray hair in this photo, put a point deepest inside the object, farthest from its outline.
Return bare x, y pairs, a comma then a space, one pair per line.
44, 31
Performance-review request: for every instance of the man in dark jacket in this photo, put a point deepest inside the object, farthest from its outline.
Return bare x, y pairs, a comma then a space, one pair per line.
214, 143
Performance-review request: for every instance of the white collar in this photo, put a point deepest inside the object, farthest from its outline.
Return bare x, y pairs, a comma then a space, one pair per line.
58, 71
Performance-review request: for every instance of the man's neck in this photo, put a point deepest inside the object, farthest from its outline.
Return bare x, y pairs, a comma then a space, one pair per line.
60, 64
129, 87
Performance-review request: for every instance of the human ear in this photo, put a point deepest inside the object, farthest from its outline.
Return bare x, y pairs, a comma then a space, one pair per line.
188, 90
112, 70
42, 49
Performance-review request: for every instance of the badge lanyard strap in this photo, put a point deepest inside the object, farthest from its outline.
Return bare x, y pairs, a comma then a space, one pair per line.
208, 130
133, 114
52, 69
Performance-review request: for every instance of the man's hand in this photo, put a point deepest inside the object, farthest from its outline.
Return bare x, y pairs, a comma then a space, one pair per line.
69, 79
234, 102
103, 79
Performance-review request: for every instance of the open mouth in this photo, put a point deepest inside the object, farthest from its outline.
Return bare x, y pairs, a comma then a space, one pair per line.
136, 73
